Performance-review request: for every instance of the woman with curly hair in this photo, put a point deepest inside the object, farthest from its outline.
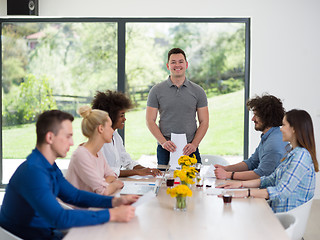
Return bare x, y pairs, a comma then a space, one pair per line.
117, 104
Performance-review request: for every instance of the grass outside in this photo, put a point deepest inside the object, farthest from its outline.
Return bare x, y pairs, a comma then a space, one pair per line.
224, 136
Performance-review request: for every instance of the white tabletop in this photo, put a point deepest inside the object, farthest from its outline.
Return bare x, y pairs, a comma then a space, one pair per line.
207, 217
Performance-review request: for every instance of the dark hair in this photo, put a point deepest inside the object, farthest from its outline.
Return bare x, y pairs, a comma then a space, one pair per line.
50, 121
301, 122
112, 102
176, 51
268, 108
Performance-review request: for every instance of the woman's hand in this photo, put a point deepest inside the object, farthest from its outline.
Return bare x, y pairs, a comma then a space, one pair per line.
110, 179
148, 171
118, 184
231, 184
113, 187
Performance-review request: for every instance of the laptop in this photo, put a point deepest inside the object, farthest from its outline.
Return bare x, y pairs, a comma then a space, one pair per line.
141, 188
138, 188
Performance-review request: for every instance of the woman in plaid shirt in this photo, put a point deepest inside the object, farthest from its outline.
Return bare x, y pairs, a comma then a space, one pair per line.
293, 182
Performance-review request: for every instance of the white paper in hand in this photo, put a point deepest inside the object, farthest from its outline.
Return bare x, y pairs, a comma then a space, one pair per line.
180, 140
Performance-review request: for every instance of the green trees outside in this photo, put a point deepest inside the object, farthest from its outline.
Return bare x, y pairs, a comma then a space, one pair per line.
80, 58
34, 96
61, 65
144, 57
215, 53
37, 97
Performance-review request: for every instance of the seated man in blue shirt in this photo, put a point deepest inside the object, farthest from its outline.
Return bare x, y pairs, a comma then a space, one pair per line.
30, 209
268, 113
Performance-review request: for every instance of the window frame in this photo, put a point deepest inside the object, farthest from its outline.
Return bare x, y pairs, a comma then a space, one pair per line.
121, 28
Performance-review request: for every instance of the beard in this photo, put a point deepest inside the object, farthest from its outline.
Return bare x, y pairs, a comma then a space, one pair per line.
260, 127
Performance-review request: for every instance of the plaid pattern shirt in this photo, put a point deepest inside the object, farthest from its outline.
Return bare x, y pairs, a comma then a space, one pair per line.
293, 181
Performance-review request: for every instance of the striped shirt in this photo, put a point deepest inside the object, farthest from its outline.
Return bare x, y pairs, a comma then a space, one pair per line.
293, 181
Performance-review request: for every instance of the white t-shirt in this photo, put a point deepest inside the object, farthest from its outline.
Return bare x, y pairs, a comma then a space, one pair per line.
116, 155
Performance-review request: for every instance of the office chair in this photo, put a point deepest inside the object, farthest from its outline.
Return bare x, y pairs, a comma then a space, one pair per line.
5, 235
301, 215
64, 172
213, 159
288, 221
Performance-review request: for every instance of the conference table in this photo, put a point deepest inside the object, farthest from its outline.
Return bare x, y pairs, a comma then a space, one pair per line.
206, 217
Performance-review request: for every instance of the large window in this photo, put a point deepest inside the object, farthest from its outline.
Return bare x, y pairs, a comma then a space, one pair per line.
50, 63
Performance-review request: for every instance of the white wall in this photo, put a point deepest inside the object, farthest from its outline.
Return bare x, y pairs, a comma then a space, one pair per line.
285, 41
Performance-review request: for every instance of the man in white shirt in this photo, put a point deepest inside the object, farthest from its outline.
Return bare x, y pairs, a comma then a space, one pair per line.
116, 104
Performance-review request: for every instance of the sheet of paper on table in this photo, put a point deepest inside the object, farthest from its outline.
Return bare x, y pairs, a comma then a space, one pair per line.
218, 191
144, 199
141, 177
207, 171
137, 177
180, 140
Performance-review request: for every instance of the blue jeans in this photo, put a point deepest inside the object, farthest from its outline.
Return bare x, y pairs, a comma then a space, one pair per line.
163, 155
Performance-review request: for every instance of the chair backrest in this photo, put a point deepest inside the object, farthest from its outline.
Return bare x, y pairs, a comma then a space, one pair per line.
301, 215
213, 159
64, 172
289, 223
5, 235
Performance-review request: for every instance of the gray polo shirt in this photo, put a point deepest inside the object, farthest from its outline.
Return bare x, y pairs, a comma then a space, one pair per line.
177, 107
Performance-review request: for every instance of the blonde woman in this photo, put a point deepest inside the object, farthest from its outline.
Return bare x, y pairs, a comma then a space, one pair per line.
88, 170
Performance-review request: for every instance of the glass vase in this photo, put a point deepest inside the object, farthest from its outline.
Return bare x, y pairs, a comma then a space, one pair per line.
184, 183
181, 203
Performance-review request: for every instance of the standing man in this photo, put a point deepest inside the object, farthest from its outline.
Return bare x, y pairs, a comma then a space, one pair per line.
178, 101
268, 114
30, 209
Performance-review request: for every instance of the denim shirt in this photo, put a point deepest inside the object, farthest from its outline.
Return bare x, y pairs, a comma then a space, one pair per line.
268, 154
